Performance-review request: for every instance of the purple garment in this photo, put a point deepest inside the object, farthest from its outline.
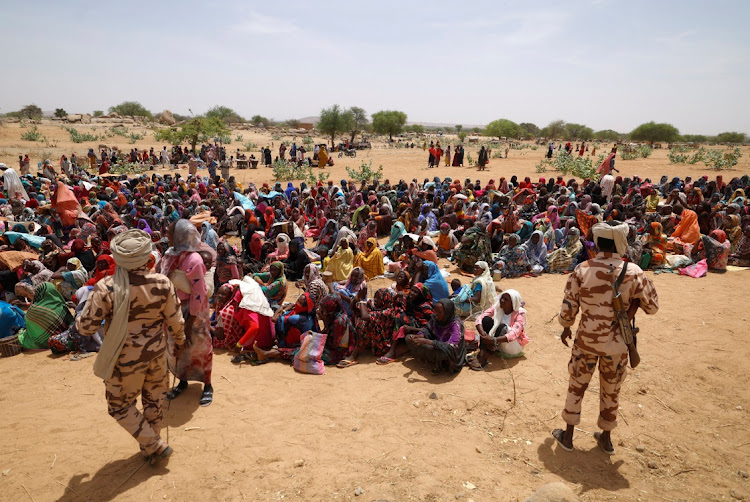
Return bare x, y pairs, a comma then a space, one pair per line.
447, 334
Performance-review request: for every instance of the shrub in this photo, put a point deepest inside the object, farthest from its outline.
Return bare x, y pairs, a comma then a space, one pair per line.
32, 134
250, 146
365, 172
77, 137
580, 167
135, 137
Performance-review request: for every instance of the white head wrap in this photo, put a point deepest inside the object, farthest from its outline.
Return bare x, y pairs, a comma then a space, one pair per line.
515, 300
130, 250
617, 233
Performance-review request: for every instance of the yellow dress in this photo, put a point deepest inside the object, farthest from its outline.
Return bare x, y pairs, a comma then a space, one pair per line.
340, 265
371, 261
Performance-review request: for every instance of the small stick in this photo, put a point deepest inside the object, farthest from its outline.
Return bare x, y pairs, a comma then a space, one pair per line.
191, 428
53, 462
513, 379
683, 471
228, 380
665, 404
66, 486
27, 493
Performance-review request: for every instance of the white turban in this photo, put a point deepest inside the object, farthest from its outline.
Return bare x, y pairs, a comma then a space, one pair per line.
617, 233
130, 250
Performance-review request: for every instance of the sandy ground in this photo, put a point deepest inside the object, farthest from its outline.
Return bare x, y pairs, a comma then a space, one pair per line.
683, 433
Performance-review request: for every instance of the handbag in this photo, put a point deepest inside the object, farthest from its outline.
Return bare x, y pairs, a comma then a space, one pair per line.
308, 358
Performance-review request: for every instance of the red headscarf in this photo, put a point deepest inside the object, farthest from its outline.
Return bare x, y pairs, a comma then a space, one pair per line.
101, 274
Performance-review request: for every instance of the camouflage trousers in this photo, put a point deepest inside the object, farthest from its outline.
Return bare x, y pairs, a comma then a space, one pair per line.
612, 371
149, 379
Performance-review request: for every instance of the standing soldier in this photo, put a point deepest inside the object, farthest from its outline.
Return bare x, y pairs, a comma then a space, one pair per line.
136, 304
598, 339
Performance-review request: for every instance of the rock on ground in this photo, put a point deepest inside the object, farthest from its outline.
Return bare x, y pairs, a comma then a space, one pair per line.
554, 492
167, 118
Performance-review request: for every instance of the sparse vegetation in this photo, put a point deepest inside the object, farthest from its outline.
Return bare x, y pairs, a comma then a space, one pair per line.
32, 134
365, 172
580, 167
78, 137
130, 108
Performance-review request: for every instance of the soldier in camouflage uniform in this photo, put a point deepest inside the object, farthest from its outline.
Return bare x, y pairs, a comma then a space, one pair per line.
598, 340
141, 366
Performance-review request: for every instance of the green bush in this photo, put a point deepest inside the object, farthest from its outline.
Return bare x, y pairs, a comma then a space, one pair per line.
580, 167
135, 137
32, 134
365, 172
77, 137
251, 147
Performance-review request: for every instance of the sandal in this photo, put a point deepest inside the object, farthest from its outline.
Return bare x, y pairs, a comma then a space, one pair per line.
176, 391
598, 437
345, 363
558, 435
158, 457
473, 363
385, 360
240, 358
207, 397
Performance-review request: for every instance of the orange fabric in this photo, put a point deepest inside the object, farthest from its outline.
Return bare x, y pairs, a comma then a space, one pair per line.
66, 204
688, 231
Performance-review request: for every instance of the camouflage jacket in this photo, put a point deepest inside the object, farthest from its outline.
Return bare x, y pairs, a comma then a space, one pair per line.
153, 304
589, 289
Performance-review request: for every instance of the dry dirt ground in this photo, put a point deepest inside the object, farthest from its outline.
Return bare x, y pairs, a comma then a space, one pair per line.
684, 432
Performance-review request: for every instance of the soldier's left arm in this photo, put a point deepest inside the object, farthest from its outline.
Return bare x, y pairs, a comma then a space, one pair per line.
645, 291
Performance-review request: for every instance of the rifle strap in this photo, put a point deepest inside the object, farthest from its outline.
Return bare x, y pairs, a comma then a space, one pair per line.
621, 278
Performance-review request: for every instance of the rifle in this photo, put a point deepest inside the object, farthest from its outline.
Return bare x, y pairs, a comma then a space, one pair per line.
621, 317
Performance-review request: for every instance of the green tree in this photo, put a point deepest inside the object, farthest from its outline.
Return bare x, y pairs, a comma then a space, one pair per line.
192, 130
389, 122
694, 138
459, 127
462, 136
555, 129
98, 113
358, 121
653, 132
334, 121
130, 109
293, 123
225, 114
257, 120
503, 128
60, 113
32, 112
607, 135
579, 131
416, 128
733, 138
530, 130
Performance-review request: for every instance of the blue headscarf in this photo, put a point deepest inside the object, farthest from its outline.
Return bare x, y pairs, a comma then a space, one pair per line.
435, 282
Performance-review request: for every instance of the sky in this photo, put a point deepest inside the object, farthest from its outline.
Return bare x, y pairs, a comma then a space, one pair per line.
604, 63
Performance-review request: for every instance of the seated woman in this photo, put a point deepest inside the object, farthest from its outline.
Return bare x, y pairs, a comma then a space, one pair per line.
741, 255
477, 296
245, 320
317, 224
348, 289
501, 329
70, 280
474, 247
371, 260
282, 249
402, 284
564, 258
417, 311
715, 250
342, 262
536, 252
273, 283
511, 260
294, 265
654, 246
441, 342
340, 342
428, 273
11, 319
290, 321
327, 238
375, 322
446, 241
71, 340
47, 316
226, 264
